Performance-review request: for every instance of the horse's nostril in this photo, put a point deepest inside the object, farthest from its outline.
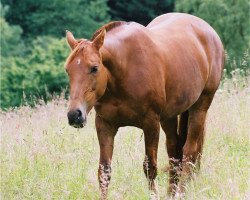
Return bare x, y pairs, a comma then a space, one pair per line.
76, 118
79, 112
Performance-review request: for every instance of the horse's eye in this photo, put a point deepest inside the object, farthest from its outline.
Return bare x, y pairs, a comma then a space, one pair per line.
93, 69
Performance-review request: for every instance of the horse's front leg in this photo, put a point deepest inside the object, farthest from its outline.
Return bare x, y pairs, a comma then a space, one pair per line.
151, 134
106, 134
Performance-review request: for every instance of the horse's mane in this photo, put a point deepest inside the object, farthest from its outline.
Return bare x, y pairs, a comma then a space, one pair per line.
108, 27
82, 42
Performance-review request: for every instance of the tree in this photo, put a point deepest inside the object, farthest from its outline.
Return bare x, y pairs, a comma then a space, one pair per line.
229, 18
37, 76
11, 43
53, 17
139, 11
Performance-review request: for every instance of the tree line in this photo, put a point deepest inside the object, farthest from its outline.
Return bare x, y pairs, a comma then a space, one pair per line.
33, 48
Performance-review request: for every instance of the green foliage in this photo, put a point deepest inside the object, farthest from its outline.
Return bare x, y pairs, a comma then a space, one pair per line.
139, 11
241, 65
229, 18
35, 76
11, 43
53, 17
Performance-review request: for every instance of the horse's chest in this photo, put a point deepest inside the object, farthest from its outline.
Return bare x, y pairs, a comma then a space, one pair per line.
120, 113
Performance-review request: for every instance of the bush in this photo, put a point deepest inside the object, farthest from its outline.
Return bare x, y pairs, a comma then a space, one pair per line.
11, 43
38, 75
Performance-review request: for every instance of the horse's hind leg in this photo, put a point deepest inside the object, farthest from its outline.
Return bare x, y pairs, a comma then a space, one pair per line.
194, 143
174, 151
182, 130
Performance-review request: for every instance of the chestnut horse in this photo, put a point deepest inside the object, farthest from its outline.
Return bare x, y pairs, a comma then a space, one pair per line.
163, 74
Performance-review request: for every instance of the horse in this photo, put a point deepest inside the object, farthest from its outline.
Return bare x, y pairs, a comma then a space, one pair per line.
163, 74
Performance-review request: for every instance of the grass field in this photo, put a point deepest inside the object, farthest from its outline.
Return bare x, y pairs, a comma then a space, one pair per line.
43, 158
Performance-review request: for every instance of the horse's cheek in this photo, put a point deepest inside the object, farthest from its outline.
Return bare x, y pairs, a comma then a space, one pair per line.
101, 86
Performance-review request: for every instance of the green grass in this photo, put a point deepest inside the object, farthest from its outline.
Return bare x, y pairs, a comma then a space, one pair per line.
43, 158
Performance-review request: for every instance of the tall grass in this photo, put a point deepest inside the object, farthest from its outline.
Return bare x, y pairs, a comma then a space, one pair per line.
44, 158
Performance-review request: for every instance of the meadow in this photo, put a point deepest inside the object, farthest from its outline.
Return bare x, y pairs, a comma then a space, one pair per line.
42, 157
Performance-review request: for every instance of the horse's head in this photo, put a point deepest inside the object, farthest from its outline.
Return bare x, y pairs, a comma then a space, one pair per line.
87, 77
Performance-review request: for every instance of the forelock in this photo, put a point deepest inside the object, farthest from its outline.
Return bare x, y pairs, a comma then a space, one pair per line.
82, 44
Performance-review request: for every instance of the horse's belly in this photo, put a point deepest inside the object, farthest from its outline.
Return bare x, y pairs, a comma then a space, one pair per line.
179, 104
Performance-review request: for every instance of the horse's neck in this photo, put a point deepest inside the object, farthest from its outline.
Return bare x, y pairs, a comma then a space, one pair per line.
114, 68
111, 55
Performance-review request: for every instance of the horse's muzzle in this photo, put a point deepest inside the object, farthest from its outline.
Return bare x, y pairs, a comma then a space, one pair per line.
76, 119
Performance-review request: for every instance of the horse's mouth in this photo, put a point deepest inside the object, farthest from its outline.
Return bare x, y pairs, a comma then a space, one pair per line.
78, 125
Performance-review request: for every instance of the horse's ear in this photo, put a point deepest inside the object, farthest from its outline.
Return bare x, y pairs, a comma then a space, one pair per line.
71, 40
99, 40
